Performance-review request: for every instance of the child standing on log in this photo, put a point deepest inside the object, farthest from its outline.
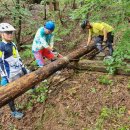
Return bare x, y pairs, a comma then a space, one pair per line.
11, 66
43, 44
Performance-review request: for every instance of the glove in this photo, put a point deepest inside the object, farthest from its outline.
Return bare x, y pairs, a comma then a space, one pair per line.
55, 53
24, 70
4, 81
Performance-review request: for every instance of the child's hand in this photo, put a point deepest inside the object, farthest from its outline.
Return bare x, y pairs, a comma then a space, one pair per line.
50, 48
4, 81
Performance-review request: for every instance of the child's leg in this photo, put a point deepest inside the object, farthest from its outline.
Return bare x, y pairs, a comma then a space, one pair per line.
109, 45
39, 58
12, 106
98, 43
109, 42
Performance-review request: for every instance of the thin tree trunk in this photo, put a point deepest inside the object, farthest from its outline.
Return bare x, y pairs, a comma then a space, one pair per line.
74, 4
19, 25
45, 11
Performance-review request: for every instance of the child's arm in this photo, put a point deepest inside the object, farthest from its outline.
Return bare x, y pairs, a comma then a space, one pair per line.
2, 65
52, 42
20, 60
44, 42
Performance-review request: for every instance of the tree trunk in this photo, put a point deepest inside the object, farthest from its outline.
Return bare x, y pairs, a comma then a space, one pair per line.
98, 66
93, 53
18, 37
74, 4
56, 5
51, 6
45, 11
21, 85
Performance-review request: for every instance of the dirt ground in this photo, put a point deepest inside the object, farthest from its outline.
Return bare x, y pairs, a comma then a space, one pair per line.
76, 101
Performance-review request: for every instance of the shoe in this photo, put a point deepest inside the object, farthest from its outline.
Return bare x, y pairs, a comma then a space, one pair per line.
107, 57
44, 81
17, 115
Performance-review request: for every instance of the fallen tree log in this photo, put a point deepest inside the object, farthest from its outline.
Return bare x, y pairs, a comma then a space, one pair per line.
21, 85
93, 53
92, 65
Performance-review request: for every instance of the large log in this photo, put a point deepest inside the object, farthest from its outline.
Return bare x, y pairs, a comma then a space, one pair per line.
93, 53
92, 65
21, 85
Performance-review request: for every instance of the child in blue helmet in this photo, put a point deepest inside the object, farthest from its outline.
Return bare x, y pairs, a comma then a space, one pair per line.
43, 44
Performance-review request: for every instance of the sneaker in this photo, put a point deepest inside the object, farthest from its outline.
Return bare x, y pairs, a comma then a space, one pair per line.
44, 81
107, 57
17, 115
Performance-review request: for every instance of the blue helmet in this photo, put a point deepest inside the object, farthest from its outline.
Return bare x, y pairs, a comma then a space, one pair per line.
50, 25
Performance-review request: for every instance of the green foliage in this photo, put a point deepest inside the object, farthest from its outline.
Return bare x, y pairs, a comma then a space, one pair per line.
128, 85
1, 126
124, 128
17, 10
12, 126
39, 94
29, 105
121, 111
104, 79
93, 90
121, 53
109, 114
69, 45
105, 113
109, 11
18, 15
26, 54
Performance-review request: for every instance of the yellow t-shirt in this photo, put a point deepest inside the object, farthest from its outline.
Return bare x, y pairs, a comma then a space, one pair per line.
97, 28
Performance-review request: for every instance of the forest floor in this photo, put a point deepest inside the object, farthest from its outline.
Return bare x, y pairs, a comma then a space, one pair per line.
76, 100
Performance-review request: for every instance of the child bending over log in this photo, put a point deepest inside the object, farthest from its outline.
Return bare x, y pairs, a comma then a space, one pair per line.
43, 44
101, 32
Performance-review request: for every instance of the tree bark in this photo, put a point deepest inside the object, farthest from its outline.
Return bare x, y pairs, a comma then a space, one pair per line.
98, 66
21, 85
93, 53
45, 11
